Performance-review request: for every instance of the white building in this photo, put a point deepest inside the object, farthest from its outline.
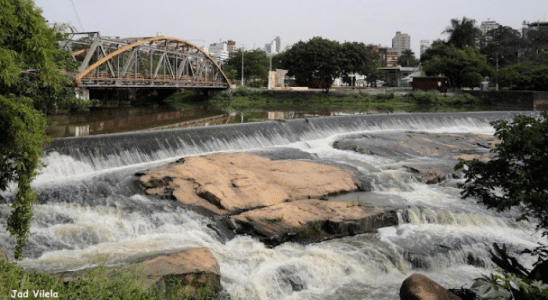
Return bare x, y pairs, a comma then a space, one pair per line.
401, 42
425, 44
488, 25
219, 51
271, 47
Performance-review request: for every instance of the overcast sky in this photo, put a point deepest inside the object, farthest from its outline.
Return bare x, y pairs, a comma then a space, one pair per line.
254, 23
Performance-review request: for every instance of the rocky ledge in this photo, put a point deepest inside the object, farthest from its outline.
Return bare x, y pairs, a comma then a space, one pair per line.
277, 201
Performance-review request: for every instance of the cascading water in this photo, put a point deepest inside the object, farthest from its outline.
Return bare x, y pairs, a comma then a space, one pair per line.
92, 212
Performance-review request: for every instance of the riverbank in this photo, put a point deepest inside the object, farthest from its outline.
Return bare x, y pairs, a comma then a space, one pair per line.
250, 105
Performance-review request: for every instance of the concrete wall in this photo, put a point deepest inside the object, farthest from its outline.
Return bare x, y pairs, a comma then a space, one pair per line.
513, 100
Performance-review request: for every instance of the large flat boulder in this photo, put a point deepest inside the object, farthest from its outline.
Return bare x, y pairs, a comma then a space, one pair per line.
192, 269
234, 182
311, 221
420, 287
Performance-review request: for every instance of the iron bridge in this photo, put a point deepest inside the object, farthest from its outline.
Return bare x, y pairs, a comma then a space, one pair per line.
146, 62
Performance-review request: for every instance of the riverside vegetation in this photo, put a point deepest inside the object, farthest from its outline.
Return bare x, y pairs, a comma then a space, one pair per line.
244, 99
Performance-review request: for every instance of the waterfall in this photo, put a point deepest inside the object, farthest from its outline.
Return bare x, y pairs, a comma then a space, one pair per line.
92, 212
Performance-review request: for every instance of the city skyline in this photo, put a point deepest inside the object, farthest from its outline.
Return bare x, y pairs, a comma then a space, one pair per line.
254, 25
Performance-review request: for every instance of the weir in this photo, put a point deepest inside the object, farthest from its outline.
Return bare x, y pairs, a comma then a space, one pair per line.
92, 212
116, 150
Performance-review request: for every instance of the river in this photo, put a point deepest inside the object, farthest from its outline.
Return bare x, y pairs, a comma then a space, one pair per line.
92, 212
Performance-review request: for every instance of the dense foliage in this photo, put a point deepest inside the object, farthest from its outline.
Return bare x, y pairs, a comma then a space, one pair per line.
463, 33
529, 75
517, 175
465, 67
256, 66
317, 62
30, 64
23, 135
30, 57
408, 59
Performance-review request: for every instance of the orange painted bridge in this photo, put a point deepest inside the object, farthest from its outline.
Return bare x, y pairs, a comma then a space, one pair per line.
148, 62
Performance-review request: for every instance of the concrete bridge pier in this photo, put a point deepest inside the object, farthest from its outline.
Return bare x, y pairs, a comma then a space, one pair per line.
82, 93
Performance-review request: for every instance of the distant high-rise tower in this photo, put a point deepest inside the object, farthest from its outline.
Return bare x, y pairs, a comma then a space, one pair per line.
401, 42
279, 46
425, 44
488, 25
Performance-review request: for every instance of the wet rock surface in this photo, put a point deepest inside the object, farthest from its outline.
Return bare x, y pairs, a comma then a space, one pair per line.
420, 287
194, 269
406, 148
311, 220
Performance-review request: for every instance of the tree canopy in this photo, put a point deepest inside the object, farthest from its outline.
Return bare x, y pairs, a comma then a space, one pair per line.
30, 58
463, 33
502, 44
529, 75
256, 66
517, 175
464, 67
317, 62
408, 59
30, 63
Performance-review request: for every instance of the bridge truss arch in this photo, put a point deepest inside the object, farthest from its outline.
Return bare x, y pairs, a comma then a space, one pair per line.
153, 62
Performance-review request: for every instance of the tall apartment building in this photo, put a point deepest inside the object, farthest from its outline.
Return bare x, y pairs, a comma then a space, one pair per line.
425, 44
231, 47
401, 42
271, 47
279, 46
488, 25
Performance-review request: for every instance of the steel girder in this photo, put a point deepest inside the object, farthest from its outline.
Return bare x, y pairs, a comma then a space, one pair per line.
145, 62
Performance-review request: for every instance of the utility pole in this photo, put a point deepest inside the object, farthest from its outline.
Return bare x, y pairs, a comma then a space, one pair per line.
270, 74
497, 83
243, 65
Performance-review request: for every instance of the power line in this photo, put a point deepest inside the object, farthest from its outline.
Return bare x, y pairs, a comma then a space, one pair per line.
77, 17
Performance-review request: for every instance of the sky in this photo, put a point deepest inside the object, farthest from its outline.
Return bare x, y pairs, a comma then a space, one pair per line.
253, 23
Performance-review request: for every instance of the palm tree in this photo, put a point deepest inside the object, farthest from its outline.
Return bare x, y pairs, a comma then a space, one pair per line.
463, 33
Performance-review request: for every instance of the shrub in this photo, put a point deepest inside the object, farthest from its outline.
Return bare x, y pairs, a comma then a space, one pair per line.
424, 98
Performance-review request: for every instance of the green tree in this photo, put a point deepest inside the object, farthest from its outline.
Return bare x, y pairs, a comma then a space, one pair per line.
23, 135
30, 57
464, 67
256, 65
530, 75
315, 63
503, 43
357, 58
463, 33
407, 59
30, 60
515, 177
534, 40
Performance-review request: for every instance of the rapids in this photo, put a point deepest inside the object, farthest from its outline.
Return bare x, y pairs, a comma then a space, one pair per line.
91, 211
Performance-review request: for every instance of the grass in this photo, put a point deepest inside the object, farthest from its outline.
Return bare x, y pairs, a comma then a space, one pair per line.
316, 225
98, 283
